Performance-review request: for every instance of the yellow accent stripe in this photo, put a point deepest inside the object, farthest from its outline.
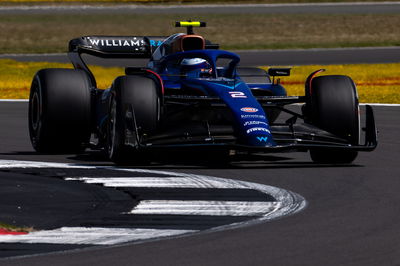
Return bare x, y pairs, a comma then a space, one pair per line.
189, 23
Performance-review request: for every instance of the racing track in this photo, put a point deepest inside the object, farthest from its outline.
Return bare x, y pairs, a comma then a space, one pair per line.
286, 57
291, 8
351, 218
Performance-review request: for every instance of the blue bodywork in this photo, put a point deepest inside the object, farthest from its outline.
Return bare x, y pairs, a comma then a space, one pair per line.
250, 123
213, 104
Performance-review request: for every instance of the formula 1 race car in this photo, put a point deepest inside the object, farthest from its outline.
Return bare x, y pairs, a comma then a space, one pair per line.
190, 95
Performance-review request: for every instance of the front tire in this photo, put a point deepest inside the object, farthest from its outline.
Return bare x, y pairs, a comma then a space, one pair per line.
59, 110
135, 108
334, 108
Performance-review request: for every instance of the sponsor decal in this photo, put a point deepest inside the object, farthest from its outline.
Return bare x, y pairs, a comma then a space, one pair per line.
257, 129
117, 43
262, 139
237, 94
249, 109
155, 43
250, 123
253, 116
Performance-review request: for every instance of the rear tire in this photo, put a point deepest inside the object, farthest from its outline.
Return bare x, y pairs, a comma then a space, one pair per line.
131, 93
334, 108
60, 111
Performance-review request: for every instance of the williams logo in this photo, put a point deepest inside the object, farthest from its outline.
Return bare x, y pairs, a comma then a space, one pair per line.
262, 139
131, 42
248, 109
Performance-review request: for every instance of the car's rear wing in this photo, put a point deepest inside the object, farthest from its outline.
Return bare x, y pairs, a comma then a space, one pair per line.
116, 46
121, 46
111, 47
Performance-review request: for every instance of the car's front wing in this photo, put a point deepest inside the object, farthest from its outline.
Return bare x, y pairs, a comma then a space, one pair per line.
288, 137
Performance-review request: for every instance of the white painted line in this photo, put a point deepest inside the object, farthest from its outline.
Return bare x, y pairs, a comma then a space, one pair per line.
157, 182
14, 100
201, 207
286, 203
33, 164
382, 104
290, 202
91, 235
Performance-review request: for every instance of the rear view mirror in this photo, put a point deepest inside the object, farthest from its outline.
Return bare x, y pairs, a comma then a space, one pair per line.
279, 72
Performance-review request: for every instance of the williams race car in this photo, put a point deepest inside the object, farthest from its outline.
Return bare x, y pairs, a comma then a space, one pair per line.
190, 95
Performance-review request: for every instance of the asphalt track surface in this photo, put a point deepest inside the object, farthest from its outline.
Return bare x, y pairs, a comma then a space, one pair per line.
253, 58
308, 8
351, 218
352, 212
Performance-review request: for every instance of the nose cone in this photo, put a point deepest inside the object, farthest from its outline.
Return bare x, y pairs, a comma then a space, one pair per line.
249, 118
254, 130
259, 141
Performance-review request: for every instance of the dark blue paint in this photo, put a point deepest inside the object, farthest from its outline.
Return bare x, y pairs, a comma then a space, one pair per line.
250, 122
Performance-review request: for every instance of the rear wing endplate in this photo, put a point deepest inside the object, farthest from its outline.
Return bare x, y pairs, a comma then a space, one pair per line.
111, 47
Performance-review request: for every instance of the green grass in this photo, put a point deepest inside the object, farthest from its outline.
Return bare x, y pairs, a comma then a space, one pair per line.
15, 228
51, 33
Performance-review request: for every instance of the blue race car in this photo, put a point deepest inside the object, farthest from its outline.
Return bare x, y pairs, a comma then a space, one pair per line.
190, 95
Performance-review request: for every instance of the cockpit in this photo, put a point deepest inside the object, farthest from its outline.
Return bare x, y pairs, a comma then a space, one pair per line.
183, 56
199, 64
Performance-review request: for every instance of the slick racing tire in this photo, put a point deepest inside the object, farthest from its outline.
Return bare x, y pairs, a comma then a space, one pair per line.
60, 111
134, 108
334, 108
260, 75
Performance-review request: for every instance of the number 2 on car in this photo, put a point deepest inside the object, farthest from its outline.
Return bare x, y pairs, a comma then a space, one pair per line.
237, 94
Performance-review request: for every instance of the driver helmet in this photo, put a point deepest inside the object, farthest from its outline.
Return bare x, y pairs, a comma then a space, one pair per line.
199, 64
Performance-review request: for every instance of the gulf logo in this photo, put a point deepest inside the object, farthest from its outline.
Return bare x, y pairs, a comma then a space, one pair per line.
248, 109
